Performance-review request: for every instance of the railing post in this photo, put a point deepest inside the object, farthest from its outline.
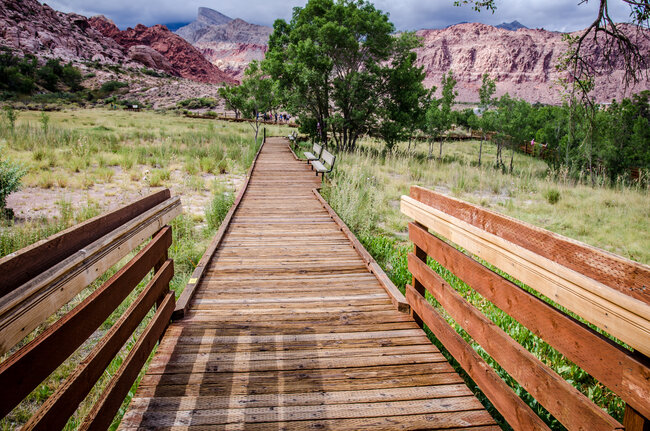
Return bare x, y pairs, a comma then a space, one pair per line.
419, 287
156, 268
634, 421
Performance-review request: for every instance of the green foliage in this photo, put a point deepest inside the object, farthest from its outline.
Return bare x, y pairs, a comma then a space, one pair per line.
11, 116
439, 116
552, 196
333, 63
218, 208
19, 76
197, 103
10, 175
112, 86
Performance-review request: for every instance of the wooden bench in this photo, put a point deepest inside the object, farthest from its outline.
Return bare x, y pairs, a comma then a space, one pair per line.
317, 150
38, 280
326, 158
606, 290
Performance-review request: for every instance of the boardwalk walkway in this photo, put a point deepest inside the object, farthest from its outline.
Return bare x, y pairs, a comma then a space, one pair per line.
289, 330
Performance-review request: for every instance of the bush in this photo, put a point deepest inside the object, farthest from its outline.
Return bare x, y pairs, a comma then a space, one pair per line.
111, 86
218, 208
10, 175
198, 103
552, 196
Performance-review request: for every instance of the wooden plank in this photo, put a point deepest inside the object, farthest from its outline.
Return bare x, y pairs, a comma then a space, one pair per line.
396, 297
559, 397
634, 421
25, 308
104, 410
629, 277
56, 410
298, 399
185, 297
622, 316
21, 266
593, 352
27, 368
512, 408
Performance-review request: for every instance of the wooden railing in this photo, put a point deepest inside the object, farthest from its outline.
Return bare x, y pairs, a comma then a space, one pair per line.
37, 281
606, 290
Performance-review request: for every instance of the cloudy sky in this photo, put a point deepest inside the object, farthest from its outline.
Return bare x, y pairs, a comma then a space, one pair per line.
559, 15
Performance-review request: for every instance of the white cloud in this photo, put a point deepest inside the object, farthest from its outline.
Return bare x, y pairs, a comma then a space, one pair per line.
559, 15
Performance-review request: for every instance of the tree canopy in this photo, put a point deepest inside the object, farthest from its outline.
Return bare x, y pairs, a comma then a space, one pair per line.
342, 70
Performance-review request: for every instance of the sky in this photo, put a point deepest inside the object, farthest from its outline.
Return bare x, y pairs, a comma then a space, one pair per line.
557, 15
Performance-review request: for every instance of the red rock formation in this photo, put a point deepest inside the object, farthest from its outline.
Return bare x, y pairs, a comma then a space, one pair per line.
523, 62
186, 60
32, 28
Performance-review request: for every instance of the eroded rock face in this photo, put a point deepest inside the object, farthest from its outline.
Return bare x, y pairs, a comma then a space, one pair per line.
522, 62
151, 58
230, 44
32, 28
186, 61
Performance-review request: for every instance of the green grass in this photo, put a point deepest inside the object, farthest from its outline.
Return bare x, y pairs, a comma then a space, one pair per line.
83, 149
365, 189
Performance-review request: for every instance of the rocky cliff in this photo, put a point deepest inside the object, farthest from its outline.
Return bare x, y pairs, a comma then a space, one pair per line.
228, 43
185, 60
32, 28
522, 62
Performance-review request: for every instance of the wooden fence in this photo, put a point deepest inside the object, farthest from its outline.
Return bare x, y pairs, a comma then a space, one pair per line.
37, 281
606, 290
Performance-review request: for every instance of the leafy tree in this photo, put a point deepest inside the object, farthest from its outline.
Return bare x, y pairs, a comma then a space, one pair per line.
10, 175
71, 76
485, 93
331, 63
403, 109
439, 116
255, 96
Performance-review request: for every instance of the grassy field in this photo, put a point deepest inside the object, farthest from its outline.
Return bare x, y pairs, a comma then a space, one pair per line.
81, 163
366, 186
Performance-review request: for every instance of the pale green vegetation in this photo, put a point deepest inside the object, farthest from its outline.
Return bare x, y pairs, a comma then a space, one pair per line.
366, 186
73, 151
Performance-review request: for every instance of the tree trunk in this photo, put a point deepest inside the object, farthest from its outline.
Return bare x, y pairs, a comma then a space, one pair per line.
430, 156
440, 153
512, 155
480, 149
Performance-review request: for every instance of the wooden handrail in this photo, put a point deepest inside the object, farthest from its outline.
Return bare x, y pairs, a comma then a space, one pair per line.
27, 367
540, 259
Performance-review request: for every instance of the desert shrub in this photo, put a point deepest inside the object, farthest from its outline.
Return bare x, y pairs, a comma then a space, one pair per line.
219, 207
552, 196
111, 86
197, 103
10, 175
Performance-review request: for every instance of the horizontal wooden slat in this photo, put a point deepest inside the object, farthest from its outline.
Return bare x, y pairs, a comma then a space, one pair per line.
104, 410
25, 369
512, 408
593, 352
622, 316
18, 268
25, 308
560, 398
56, 410
629, 277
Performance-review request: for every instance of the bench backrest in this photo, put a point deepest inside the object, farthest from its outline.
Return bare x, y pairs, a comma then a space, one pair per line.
606, 290
328, 158
52, 279
317, 149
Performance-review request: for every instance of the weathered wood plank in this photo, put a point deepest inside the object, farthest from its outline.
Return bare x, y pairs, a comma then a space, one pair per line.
625, 317
27, 368
21, 266
559, 397
593, 352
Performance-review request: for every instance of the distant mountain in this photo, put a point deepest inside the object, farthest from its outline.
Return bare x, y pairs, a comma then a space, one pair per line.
512, 26
230, 44
184, 60
521, 62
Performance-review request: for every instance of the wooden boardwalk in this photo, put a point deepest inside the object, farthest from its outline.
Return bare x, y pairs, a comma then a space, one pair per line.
289, 330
